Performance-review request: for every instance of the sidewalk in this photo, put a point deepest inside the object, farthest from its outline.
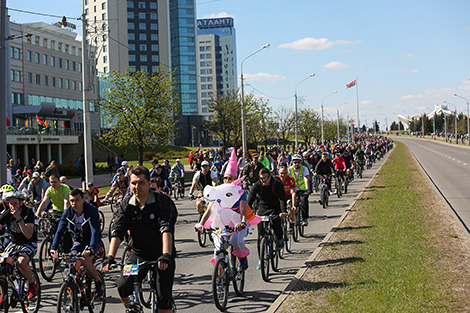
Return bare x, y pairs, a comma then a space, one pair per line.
104, 180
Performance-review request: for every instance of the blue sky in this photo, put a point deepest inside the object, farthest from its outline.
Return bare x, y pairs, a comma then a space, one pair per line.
406, 54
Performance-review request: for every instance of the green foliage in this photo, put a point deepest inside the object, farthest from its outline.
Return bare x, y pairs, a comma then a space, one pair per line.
308, 121
139, 107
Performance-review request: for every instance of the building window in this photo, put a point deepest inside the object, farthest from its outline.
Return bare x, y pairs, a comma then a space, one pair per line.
60, 62
38, 79
79, 67
154, 68
202, 49
143, 37
37, 58
59, 47
105, 69
141, 5
130, 36
67, 49
130, 4
74, 66
105, 48
103, 16
44, 42
28, 56
12, 75
154, 47
153, 16
105, 59
74, 50
44, 59
131, 47
203, 63
30, 78
67, 64
208, 48
103, 6
53, 81
52, 45
67, 84
142, 26
131, 57
154, 58
74, 85
18, 53
130, 25
36, 40
130, 15
143, 47
153, 26
143, 58
80, 86
86, 11
52, 61
153, 5
202, 56
142, 15
154, 37
46, 80
61, 83
144, 68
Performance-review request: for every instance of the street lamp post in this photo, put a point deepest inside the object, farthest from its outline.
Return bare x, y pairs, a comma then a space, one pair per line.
322, 130
468, 118
455, 107
244, 141
295, 96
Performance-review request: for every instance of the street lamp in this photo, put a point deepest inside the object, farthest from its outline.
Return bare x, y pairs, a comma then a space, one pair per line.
245, 145
322, 130
295, 95
468, 118
455, 107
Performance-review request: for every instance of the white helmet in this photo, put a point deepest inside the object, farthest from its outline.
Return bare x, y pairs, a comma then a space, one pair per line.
296, 157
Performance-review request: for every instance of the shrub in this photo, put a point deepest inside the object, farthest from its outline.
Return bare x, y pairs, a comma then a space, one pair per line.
149, 155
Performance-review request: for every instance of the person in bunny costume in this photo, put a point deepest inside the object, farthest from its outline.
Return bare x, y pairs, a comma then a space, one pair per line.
228, 207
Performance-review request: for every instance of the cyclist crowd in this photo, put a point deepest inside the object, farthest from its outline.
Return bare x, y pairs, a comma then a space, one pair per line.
270, 182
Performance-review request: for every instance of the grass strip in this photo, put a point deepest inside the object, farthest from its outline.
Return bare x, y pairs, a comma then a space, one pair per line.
397, 272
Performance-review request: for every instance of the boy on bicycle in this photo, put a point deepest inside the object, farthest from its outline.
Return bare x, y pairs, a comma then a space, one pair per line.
83, 220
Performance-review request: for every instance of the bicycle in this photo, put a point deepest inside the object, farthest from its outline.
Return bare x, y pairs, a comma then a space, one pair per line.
299, 227
102, 220
202, 237
15, 286
288, 231
324, 191
268, 249
178, 188
339, 180
139, 298
77, 290
47, 266
227, 269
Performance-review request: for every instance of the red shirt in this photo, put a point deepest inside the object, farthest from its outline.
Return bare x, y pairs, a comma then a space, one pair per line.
339, 163
289, 184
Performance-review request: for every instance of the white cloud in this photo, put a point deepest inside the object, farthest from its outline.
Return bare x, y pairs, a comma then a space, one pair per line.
408, 55
429, 97
263, 77
309, 43
217, 15
366, 102
412, 71
335, 65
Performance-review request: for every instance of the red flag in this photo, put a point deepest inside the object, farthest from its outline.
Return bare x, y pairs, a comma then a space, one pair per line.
351, 84
8, 121
45, 123
27, 123
63, 124
39, 120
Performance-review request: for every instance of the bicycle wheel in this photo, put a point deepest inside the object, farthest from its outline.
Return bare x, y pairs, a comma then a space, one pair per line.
323, 196
339, 192
288, 237
102, 221
202, 238
295, 234
238, 276
327, 196
220, 282
46, 266
68, 298
97, 304
274, 247
175, 191
30, 305
264, 258
346, 183
181, 190
145, 295
301, 229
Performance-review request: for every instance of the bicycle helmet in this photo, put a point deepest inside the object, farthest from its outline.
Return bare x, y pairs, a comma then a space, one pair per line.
296, 157
6, 188
15, 194
305, 154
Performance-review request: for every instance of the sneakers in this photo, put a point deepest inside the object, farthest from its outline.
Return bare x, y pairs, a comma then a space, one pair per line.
244, 263
258, 266
321, 202
99, 289
304, 223
280, 244
32, 291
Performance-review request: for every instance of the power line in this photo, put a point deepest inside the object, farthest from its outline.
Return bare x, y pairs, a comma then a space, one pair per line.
41, 14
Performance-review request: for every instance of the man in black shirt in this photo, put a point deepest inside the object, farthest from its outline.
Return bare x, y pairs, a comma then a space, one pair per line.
150, 217
19, 220
272, 202
325, 167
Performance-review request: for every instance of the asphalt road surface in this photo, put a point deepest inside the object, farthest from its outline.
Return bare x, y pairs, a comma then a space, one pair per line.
192, 289
448, 166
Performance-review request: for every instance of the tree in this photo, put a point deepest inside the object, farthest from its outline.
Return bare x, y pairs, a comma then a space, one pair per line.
285, 121
308, 121
226, 118
139, 109
259, 124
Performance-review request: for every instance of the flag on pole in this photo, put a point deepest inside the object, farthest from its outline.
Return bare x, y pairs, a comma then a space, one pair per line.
55, 124
27, 123
8, 121
63, 124
39, 120
45, 123
351, 84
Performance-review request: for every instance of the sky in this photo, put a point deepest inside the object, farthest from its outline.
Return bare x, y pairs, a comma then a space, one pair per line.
407, 55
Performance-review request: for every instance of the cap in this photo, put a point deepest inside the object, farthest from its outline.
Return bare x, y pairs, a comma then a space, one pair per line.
204, 163
255, 155
296, 157
29, 171
36, 175
124, 163
305, 154
178, 160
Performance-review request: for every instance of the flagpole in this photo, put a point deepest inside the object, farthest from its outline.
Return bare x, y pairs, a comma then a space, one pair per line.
357, 107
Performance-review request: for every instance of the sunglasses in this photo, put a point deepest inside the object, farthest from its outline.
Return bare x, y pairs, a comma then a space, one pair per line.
263, 177
296, 162
228, 179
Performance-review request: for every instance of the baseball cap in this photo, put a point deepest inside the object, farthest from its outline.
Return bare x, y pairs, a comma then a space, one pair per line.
204, 163
36, 175
29, 171
124, 163
178, 160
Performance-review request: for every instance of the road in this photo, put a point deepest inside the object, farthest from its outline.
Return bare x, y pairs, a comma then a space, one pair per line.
448, 166
192, 289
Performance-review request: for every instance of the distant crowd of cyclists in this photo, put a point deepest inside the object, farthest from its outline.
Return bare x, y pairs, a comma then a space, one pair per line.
274, 183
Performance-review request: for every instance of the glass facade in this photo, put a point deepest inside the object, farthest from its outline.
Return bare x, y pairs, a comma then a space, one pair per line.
183, 53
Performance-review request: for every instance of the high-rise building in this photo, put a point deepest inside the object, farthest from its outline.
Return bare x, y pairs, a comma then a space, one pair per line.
144, 34
217, 59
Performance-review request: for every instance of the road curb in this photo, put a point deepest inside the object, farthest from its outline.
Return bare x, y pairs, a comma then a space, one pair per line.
290, 287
